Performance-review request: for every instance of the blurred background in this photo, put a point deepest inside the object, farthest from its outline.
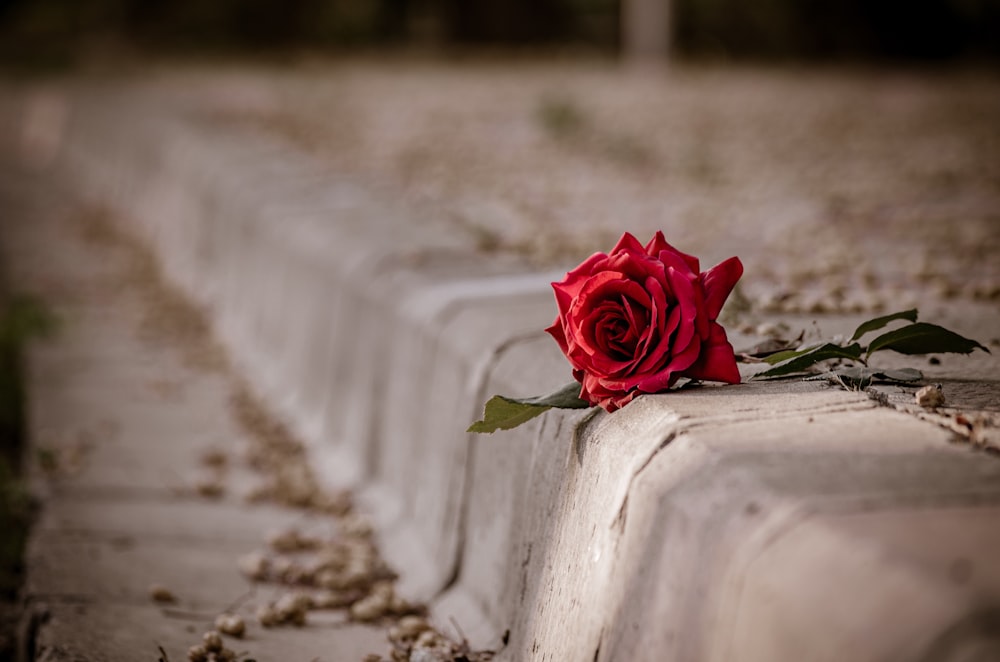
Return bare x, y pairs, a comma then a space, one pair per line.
60, 32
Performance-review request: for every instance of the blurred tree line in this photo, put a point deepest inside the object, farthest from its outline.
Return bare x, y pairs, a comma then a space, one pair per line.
827, 29
800, 29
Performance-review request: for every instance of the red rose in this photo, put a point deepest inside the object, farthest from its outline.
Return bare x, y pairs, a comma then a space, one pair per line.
637, 319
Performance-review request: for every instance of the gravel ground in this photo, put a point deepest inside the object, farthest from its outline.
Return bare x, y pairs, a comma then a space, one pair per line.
842, 190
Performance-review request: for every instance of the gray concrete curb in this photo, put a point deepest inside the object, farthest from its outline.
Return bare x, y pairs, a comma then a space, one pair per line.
760, 522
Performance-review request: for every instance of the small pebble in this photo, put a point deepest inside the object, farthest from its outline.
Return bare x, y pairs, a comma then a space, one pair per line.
267, 616
231, 624
368, 609
281, 566
254, 566
930, 396
212, 641
411, 626
214, 458
428, 639
298, 574
160, 593
355, 526
285, 541
291, 608
210, 488
290, 602
197, 654
398, 605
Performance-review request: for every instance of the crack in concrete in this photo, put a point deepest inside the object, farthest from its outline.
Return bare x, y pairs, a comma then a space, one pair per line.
620, 518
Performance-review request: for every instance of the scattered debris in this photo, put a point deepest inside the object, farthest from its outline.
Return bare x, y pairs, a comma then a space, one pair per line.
267, 616
880, 398
212, 484
276, 454
381, 601
254, 566
231, 624
210, 487
769, 347
413, 639
215, 458
290, 540
930, 396
978, 428
211, 649
160, 593
982, 430
290, 609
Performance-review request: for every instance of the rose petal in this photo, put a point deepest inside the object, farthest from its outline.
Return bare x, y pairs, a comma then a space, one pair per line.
658, 244
616, 402
683, 289
718, 282
607, 287
559, 334
569, 287
717, 361
627, 244
655, 346
657, 382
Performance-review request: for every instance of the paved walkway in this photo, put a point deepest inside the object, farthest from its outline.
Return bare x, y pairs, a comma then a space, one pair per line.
131, 414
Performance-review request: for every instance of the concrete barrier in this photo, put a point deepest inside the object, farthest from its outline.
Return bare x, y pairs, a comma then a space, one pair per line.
761, 522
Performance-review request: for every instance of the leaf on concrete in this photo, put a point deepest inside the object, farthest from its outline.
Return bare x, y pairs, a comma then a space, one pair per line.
804, 359
923, 338
784, 355
879, 322
900, 375
768, 348
503, 413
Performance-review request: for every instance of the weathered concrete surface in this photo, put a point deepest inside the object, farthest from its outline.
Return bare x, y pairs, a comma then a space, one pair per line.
760, 522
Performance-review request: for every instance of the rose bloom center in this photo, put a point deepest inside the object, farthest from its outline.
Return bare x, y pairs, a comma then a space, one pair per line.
621, 324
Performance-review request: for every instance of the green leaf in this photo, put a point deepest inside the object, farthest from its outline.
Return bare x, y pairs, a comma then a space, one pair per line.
923, 338
805, 359
879, 322
503, 413
778, 357
900, 375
